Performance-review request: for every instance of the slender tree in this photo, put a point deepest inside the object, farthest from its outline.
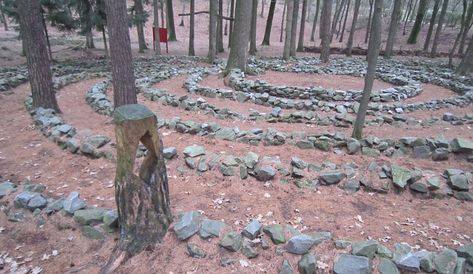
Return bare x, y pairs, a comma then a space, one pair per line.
262, 9
368, 26
123, 78
393, 25
462, 29
170, 21
418, 23
295, 18
181, 24
220, 27
433, 17
353, 27
373, 53
345, 22
316, 17
287, 38
269, 24
407, 15
439, 28
282, 22
232, 13
239, 49
300, 43
254, 17
192, 27
325, 31
466, 65
139, 19
162, 12
2, 17
157, 42
213, 31
468, 23
338, 10
37, 59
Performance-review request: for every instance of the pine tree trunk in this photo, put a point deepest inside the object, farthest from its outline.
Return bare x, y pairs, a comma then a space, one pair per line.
353, 27
220, 27
314, 24
338, 10
295, 18
123, 78
162, 13
232, 13
38, 62
254, 16
431, 25
192, 27
282, 22
393, 25
300, 44
89, 40
467, 23
287, 39
373, 53
104, 37
368, 26
213, 31
457, 39
139, 25
439, 28
414, 9
262, 9
418, 23
325, 30
241, 34
181, 24
466, 64
345, 22
4, 19
170, 20
157, 42
269, 24
45, 28
407, 15
340, 18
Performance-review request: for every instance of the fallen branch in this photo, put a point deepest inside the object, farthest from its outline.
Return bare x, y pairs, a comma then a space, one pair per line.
206, 12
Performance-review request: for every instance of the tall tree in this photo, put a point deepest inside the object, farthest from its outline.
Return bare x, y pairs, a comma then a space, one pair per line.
262, 8
466, 65
338, 10
269, 24
300, 43
431, 25
254, 17
368, 26
213, 31
407, 14
418, 23
123, 78
282, 22
393, 25
170, 21
462, 29
467, 26
287, 39
139, 18
38, 63
241, 34
314, 24
220, 27
191, 30
439, 28
325, 31
232, 13
2, 17
295, 17
353, 27
373, 53
157, 42
345, 22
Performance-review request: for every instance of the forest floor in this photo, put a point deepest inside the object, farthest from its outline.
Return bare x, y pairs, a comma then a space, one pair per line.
395, 217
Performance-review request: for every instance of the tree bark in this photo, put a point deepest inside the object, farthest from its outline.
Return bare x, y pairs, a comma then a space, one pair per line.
4, 19
457, 39
340, 18
269, 24
191, 30
220, 27
325, 30
181, 24
157, 43
431, 25
295, 18
439, 28
104, 37
287, 38
407, 15
344, 22
418, 23
393, 25
338, 9
123, 78
89, 40
162, 13
282, 22
170, 20
140, 24
45, 28
38, 62
466, 64
232, 13
314, 24
239, 45
353, 27
300, 43
254, 16
468, 22
373, 53
213, 31
368, 26
262, 9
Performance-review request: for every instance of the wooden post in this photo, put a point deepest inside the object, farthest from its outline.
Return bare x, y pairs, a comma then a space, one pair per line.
142, 200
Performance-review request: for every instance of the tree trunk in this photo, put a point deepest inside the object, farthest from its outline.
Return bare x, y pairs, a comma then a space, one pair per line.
373, 52
282, 22
181, 24
418, 23
239, 49
262, 9
38, 62
368, 26
340, 18
4, 19
170, 20
254, 16
232, 13
45, 28
300, 43
344, 22
439, 28
213, 31
466, 64
104, 37
295, 17
269, 24
162, 13
393, 25
220, 27
287, 39
457, 39
157, 43
353, 27
191, 30
431, 25
314, 24
338, 9
142, 201
89, 40
325, 31
468, 22
413, 10
407, 15
123, 78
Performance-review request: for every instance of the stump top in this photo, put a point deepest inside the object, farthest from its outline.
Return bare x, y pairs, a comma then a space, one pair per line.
132, 112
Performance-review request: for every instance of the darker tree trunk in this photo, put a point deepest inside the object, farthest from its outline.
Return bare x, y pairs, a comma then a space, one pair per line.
89, 40
269, 24
458, 38
418, 23
45, 28
104, 37
140, 24
254, 17
192, 27
373, 52
220, 27
368, 26
325, 30
2, 16
38, 62
338, 10
241, 34
344, 22
467, 25
439, 28
157, 42
232, 13
431, 24
314, 24
466, 64
295, 18
407, 15
300, 43
170, 20
213, 31
123, 78
162, 13
393, 25
353, 27
282, 22
287, 39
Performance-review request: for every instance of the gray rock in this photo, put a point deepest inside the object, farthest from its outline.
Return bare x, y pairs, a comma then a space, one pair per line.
350, 264
15, 216
463, 195
364, 248
400, 176
353, 146
38, 201
276, 111
449, 117
195, 251
73, 145
409, 262
440, 154
460, 145
89, 216
92, 233
249, 251
445, 261
286, 268
55, 205
419, 187
386, 266
351, 185
73, 203
265, 173
427, 263
89, 150
38, 188
110, 219
250, 159
190, 163
21, 200
98, 141
252, 230
433, 183
461, 266
169, 152
384, 252
300, 244
466, 251
210, 228
187, 225
332, 177
194, 151
307, 264
276, 233
421, 152
342, 244
319, 237
231, 241
299, 163
6, 188
226, 170
304, 144
459, 182
225, 133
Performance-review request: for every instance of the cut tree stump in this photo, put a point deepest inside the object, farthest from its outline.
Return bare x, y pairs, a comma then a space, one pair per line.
143, 201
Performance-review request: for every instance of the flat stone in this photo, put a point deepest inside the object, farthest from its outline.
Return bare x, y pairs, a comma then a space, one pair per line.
89, 216
286, 268
307, 264
210, 228
332, 177
38, 188
298, 163
384, 252
249, 251
386, 266
342, 244
350, 264
230, 160
169, 153
110, 219
195, 251
409, 262
227, 134
194, 151
400, 175
231, 241
419, 187
372, 152
364, 248
55, 205
427, 263
353, 146
265, 173
421, 152
73, 203
300, 244
303, 144
6, 188
466, 251
252, 230
131, 112
89, 150
459, 182
445, 261
38, 201
433, 183
460, 145
276, 233
98, 141
187, 225
321, 236
21, 200
461, 266
226, 170
440, 154
250, 160
92, 233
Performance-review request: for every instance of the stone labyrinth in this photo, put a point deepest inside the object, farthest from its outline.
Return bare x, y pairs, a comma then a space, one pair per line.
430, 162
